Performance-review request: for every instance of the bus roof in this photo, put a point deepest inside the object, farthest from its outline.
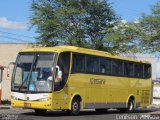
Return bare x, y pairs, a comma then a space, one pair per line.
80, 50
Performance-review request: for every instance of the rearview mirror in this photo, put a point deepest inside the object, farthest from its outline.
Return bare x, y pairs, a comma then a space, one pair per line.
8, 68
59, 74
1, 73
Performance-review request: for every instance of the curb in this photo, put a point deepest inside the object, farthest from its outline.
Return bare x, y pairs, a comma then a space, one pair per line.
154, 106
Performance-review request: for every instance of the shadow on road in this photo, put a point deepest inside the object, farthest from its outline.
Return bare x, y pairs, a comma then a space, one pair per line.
88, 113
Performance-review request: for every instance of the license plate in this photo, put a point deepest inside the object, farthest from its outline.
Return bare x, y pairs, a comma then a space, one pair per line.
27, 104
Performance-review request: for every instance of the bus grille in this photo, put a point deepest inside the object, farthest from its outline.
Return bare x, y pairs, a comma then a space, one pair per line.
145, 97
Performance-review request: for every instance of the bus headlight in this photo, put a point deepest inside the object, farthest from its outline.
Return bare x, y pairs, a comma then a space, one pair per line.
13, 97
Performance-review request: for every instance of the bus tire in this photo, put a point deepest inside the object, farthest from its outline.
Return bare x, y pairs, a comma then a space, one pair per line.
40, 111
130, 107
75, 107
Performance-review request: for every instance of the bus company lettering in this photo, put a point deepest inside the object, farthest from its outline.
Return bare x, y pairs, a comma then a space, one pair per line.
97, 81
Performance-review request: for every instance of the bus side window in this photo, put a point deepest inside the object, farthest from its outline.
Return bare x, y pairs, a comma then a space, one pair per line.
117, 67
147, 71
92, 64
105, 66
138, 70
128, 69
78, 64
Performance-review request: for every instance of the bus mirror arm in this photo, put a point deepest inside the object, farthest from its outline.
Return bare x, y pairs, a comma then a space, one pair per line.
8, 68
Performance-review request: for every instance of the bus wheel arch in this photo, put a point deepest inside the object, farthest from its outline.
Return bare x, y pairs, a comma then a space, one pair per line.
75, 105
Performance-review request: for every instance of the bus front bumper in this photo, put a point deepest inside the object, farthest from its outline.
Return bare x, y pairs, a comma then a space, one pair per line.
32, 104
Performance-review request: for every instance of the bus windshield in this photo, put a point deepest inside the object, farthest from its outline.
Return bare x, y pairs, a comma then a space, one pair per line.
33, 72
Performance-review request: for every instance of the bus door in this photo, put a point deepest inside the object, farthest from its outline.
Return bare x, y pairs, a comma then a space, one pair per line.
62, 73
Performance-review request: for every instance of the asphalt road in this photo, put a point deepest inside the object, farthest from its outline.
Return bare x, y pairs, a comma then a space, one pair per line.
25, 114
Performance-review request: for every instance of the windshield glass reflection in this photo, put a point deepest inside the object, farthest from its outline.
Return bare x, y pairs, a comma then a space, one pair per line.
33, 72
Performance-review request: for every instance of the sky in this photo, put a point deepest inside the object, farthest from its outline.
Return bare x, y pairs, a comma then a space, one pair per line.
132, 10
15, 14
14, 21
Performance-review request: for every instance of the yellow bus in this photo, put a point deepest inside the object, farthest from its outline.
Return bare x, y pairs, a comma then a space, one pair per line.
72, 78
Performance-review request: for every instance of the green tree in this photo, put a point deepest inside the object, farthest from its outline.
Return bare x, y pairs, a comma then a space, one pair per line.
83, 23
150, 30
123, 38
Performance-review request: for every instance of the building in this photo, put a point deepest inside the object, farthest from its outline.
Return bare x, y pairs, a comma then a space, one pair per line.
8, 53
1, 73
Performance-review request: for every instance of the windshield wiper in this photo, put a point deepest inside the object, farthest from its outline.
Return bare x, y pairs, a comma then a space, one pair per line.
29, 75
23, 84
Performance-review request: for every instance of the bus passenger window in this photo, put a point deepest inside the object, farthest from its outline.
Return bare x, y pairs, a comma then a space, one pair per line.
147, 71
78, 64
92, 64
117, 67
138, 70
105, 66
128, 69
102, 69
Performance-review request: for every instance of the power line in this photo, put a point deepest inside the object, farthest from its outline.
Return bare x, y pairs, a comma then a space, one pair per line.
17, 39
16, 34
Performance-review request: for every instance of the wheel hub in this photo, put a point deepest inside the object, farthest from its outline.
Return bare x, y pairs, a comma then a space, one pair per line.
75, 106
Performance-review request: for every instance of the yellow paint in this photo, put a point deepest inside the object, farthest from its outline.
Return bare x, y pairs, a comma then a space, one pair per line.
34, 104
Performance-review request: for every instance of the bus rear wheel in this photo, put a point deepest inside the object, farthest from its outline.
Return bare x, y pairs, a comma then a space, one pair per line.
130, 107
75, 107
40, 111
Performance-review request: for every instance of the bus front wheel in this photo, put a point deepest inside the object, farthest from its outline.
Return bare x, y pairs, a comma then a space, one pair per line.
40, 111
75, 107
